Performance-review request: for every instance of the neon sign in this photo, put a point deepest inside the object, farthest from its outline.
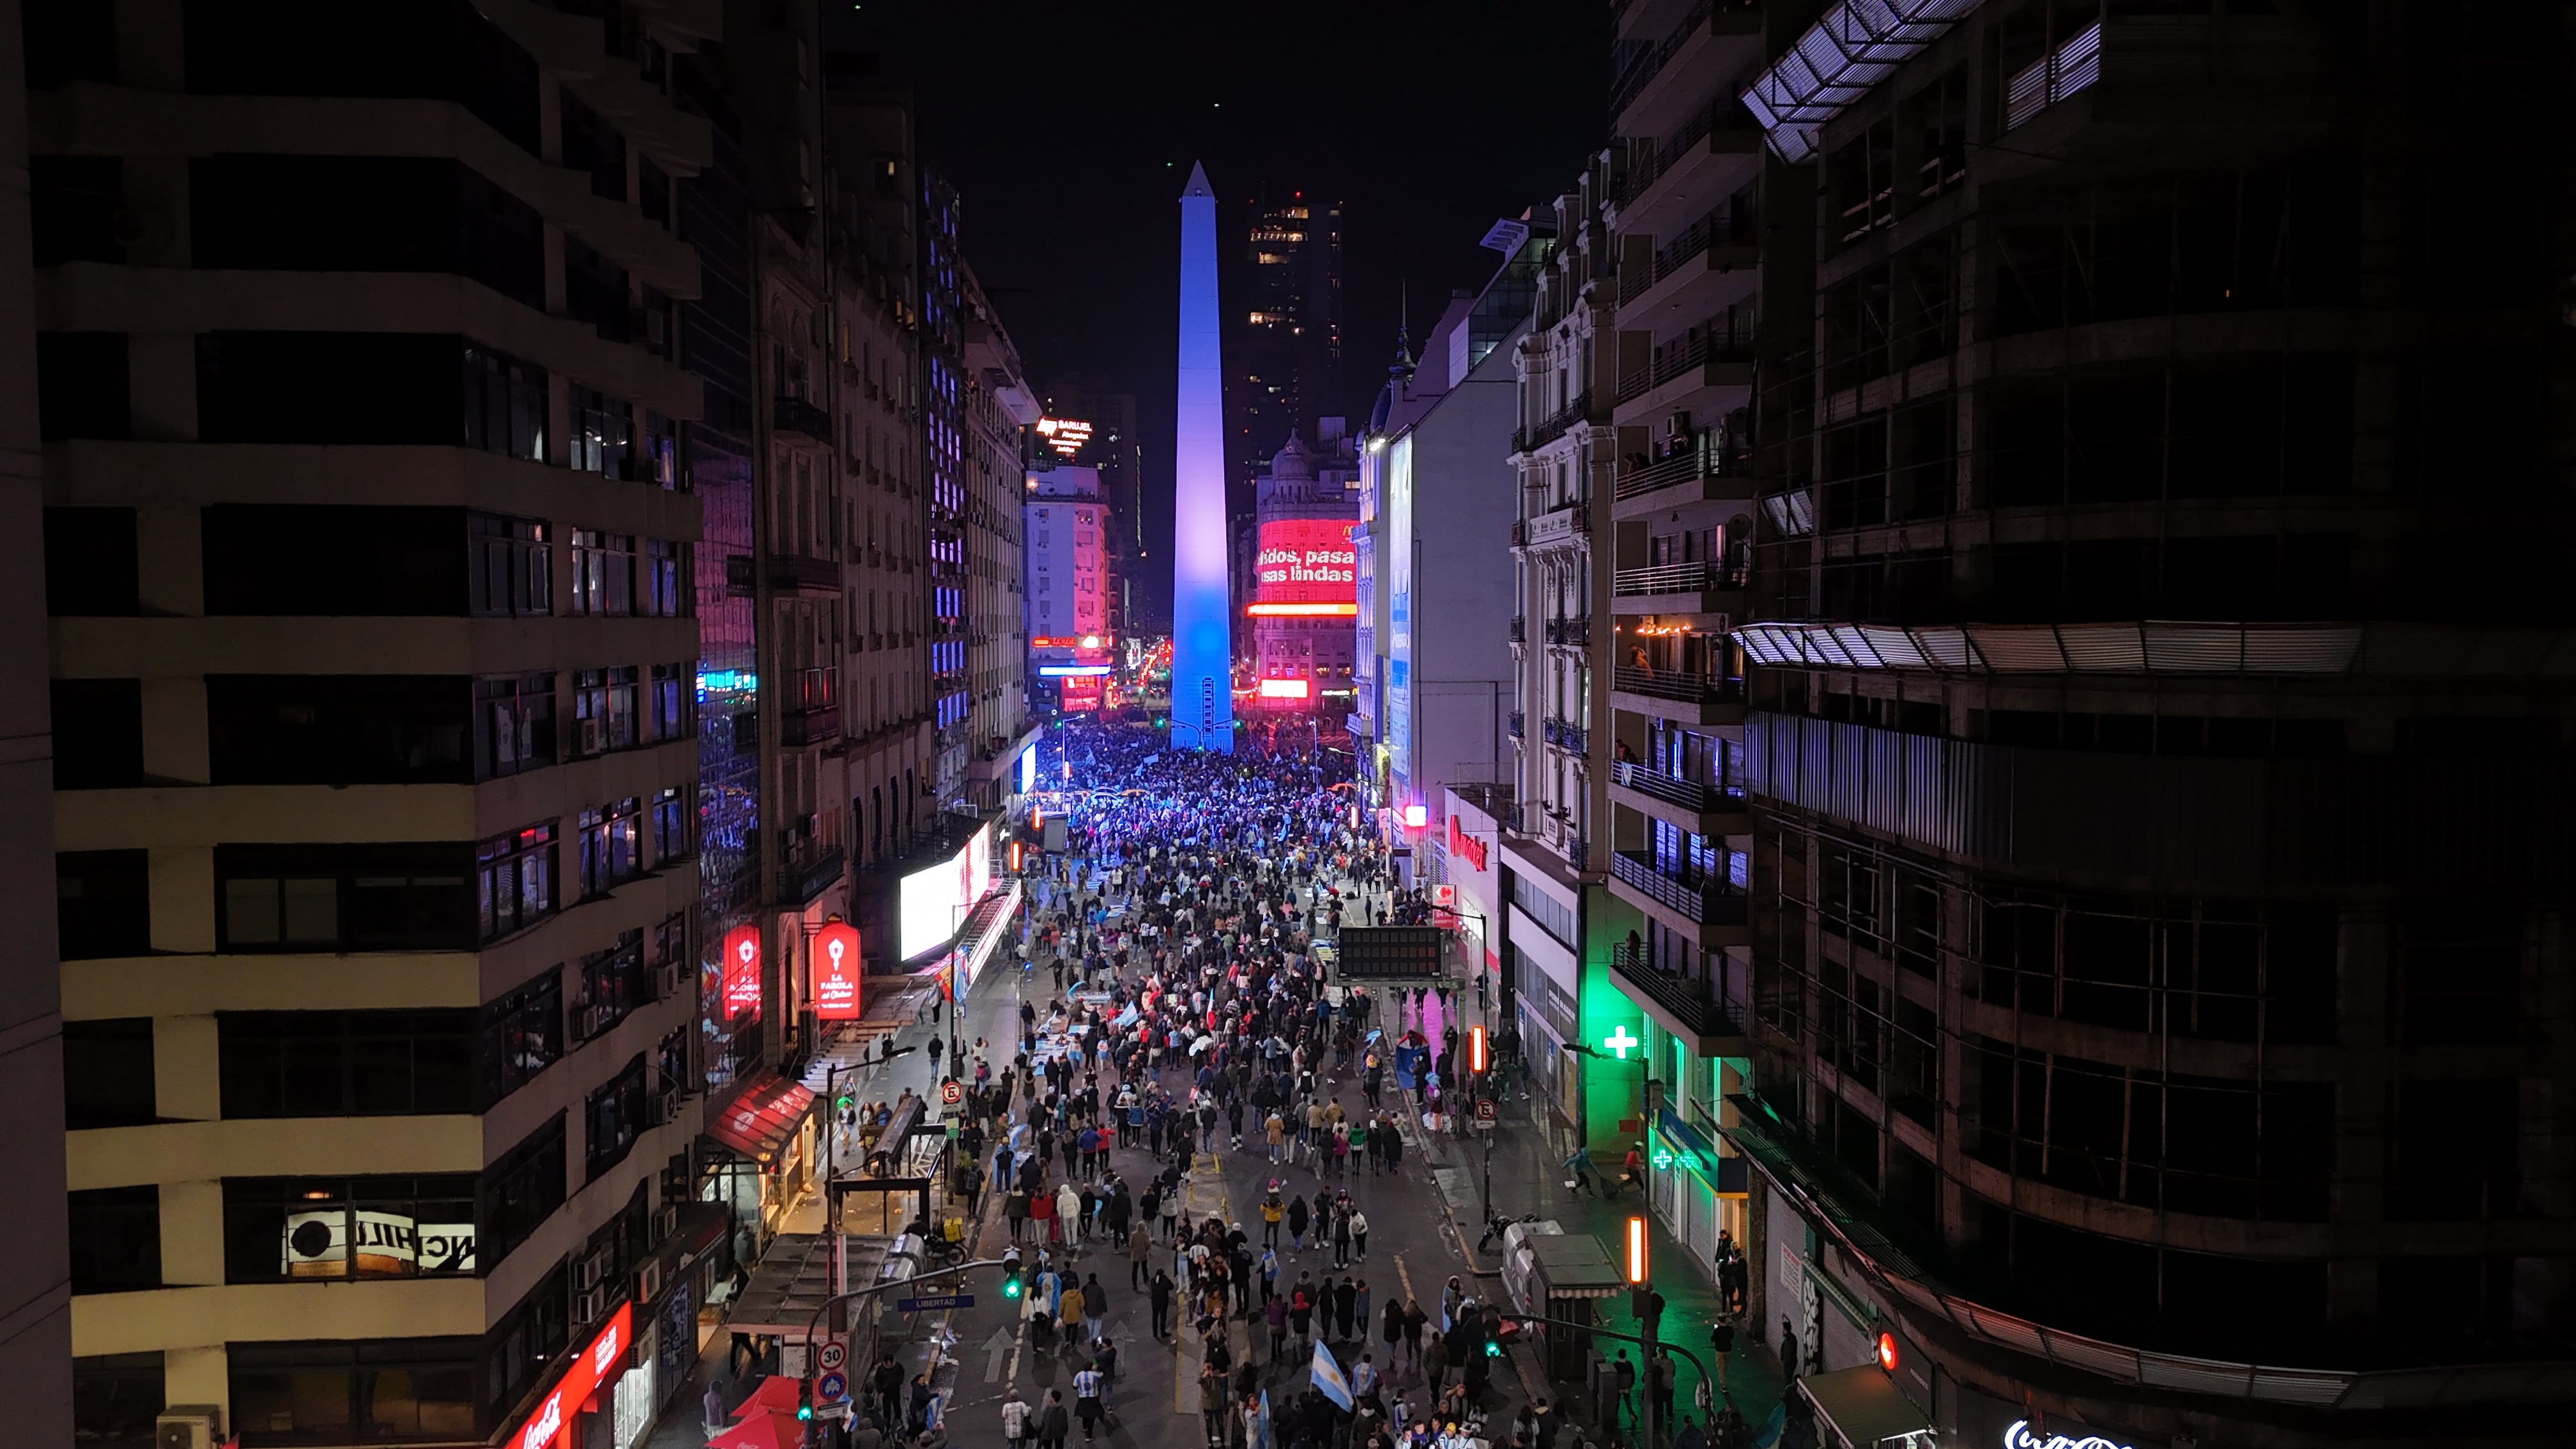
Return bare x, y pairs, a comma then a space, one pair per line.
837, 970
742, 970
1468, 846
2022, 1436
580, 1381
1619, 1042
1283, 689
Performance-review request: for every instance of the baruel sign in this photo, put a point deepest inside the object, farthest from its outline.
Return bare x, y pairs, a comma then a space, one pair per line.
596, 1366
1464, 846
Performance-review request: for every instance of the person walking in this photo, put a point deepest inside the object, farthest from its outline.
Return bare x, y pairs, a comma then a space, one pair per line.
1088, 1387
1788, 1353
1296, 1226
1435, 1365
1017, 1420
1341, 1239
1721, 1346
1160, 1292
1359, 1234
1140, 1246
1055, 1423
1068, 1315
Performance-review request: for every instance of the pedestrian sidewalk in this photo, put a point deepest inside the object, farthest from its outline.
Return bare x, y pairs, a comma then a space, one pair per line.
1526, 1171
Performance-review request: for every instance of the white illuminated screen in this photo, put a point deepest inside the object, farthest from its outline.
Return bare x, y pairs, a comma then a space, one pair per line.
1028, 769
933, 902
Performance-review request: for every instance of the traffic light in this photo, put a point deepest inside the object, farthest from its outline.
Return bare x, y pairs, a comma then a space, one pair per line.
1477, 1059
1012, 1286
804, 1399
1493, 1343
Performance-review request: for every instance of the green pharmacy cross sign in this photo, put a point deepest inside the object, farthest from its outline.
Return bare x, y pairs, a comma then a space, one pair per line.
1619, 1043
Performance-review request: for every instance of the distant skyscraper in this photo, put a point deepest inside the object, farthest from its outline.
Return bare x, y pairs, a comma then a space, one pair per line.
1287, 350
1202, 607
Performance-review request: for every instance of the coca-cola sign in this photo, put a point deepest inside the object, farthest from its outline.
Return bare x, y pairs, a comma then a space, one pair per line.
597, 1365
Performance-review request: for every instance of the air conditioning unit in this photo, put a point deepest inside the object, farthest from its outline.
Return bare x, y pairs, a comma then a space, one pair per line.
588, 1308
188, 1426
666, 1221
666, 1107
648, 1281
585, 1273
666, 981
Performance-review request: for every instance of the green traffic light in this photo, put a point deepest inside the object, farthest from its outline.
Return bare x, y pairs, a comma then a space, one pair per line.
1010, 1287
1493, 1348
804, 1411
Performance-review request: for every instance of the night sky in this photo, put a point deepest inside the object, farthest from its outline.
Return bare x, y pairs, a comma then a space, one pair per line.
1069, 129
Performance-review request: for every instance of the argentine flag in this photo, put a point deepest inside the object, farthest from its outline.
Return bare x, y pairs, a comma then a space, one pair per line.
1327, 1376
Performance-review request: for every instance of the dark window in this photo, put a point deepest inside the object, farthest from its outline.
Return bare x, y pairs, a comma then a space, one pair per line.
103, 903
673, 713
604, 707
116, 1239
2463, 979
512, 567
505, 404
98, 733
341, 1227
69, 40
338, 729
672, 811
363, 214
520, 1191
381, 1391
609, 854
613, 1116
73, 203
603, 572
514, 877
315, 559
412, 897
399, 388
596, 291
82, 386
2459, 1146
591, 144
345, 1063
522, 1035
602, 434
91, 566
435, 50
514, 724
526, 1339
108, 1078
652, 192
116, 1397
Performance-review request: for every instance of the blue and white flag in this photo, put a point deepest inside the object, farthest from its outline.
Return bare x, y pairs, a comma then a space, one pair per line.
1327, 1376
1261, 1430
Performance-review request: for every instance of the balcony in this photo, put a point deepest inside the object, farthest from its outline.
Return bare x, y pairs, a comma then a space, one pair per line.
1677, 694
1649, 94
1520, 629
1699, 474
797, 573
1518, 726
806, 871
1563, 524
1702, 586
1574, 631
1555, 425
1688, 804
1715, 354
796, 415
1690, 1006
1723, 244
810, 712
1568, 736
1709, 909
1715, 152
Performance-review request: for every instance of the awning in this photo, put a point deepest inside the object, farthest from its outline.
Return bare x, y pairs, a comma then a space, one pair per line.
1862, 1407
1691, 1149
758, 1121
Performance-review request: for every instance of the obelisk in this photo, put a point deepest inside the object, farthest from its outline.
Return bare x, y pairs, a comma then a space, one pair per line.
1202, 601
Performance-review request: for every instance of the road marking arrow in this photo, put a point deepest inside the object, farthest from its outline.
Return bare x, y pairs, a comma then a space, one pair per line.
999, 1344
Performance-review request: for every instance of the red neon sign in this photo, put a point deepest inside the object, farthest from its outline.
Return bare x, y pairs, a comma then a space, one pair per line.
1465, 845
597, 1365
742, 970
836, 972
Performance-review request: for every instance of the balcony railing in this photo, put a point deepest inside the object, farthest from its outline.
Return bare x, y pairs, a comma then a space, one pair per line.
1688, 794
1629, 83
1684, 468
797, 572
796, 415
818, 724
1520, 629
1519, 726
1696, 576
1696, 1001
1679, 685
808, 871
1566, 735
1708, 902
1551, 428
1573, 630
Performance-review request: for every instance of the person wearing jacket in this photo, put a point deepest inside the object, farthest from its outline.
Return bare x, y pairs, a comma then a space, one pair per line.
1140, 1246
1160, 1291
1055, 1423
1296, 1225
1068, 1210
1069, 1310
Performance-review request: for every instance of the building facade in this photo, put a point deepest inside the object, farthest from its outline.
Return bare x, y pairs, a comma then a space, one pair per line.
2157, 987
1284, 340
1066, 581
1303, 608
369, 548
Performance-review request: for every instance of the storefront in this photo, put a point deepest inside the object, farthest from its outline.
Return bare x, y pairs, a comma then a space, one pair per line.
1698, 1192
1544, 1010
767, 1135
579, 1412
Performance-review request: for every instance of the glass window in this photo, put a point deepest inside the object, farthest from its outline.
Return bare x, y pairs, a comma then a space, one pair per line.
612, 984
514, 724
375, 1391
614, 1116
348, 1227
522, 1035
345, 1063
603, 572
605, 705
510, 566
116, 1397
671, 716
505, 405
342, 897
609, 836
665, 568
521, 1190
515, 880
116, 1239
603, 432
671, 815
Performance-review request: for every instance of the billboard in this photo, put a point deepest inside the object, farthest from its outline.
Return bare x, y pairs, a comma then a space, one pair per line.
837, 969
742, 970
1308, 561
933, 902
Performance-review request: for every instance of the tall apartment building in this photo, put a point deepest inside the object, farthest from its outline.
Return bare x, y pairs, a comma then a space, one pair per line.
35, 1298
368, 547
1283, 347
2160, 1008
997, 408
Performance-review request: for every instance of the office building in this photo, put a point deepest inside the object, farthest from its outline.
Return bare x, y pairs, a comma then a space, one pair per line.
1066, 522
369, 547
1284, 334
1000, 409
1111, 444
2155, 760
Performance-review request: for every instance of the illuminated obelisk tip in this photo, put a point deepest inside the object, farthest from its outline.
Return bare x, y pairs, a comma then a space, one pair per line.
1202, 605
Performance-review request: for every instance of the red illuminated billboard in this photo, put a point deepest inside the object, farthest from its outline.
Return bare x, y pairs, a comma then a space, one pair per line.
742, 970
600, 1364
1308, 561
836, 972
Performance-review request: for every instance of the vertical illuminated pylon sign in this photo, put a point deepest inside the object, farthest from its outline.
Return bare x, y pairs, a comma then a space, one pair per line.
1202, 605
837, 971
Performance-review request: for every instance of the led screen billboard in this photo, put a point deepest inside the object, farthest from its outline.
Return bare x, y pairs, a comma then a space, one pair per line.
1308, 561
933, 902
